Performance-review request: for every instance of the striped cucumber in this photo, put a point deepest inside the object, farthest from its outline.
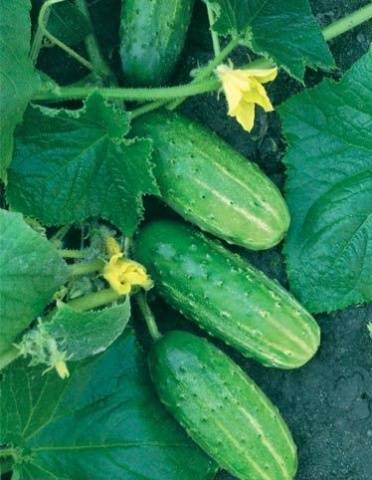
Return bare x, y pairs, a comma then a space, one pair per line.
210, 184
221, 408
152, 36
226, 296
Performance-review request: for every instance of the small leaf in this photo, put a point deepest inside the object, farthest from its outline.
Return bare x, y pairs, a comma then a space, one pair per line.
30, 273
103, 422
77, 334
329, 190
69, 166
19, 79
282, 30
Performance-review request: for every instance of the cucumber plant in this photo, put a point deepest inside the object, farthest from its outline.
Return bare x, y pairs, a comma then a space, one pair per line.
88, 129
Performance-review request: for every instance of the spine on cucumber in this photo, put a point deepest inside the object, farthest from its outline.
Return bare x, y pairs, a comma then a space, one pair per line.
222, 409
152, 35
226, 296
210, 184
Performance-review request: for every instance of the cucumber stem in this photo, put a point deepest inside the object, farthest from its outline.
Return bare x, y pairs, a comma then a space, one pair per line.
215, 39
38, 39
85, 268
94, 300
44, 31
148, 316
199, 85
92, 45
66, 253
347, 23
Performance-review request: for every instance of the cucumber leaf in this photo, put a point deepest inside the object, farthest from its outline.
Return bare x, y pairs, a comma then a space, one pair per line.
19, 79
78, 335
282, 30
104, 421
72, 165
329, 190
30, 273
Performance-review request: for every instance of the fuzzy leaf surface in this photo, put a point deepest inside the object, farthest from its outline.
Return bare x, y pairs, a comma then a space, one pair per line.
72, 165
283, 30
83, 334
329, 190
104, 421
30, 273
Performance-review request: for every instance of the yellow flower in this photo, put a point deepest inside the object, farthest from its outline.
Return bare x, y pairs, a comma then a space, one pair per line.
243, 90
122, 273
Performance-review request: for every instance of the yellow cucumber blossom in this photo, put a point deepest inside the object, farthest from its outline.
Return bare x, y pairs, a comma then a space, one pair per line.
62, 369
243, 90
122, 273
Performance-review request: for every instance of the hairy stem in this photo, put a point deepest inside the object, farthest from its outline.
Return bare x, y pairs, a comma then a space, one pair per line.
42, 26
148, 316
85, 268
94, 300
128, 94
66, 253
215, 39
92, 45
347, 23
38, 39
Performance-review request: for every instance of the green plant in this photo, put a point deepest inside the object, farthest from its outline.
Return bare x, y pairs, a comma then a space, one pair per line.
79, 156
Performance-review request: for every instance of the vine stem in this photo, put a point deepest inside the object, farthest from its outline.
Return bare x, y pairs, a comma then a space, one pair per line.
215, 39
85, 268
67, 253
347, 23
201, 84
44, 31
148, 316
94, 300
8, 357
128, 94
92, 45
38, 39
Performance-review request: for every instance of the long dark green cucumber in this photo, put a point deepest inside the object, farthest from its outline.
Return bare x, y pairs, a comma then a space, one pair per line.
152, 36
226, 296
222, 409
210, 184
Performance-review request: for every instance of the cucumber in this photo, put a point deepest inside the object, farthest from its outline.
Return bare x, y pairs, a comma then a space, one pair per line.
152, 35
221, 408
210, 184
226, 296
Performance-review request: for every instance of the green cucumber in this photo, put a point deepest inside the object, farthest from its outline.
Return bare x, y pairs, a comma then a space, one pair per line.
221, 408
226, 296
152, 36
210, 184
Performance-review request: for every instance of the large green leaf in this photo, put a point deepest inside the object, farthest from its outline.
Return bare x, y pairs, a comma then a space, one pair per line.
282, 30
18, 79
30, 273
69, 166
329, 190
103, 422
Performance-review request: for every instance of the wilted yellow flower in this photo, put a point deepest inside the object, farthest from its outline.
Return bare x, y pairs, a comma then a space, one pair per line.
243, 90
122, 273
62, 369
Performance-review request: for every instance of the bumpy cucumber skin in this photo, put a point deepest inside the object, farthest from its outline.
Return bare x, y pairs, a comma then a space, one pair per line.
152, 36
226, 296
222, 409
210, 184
